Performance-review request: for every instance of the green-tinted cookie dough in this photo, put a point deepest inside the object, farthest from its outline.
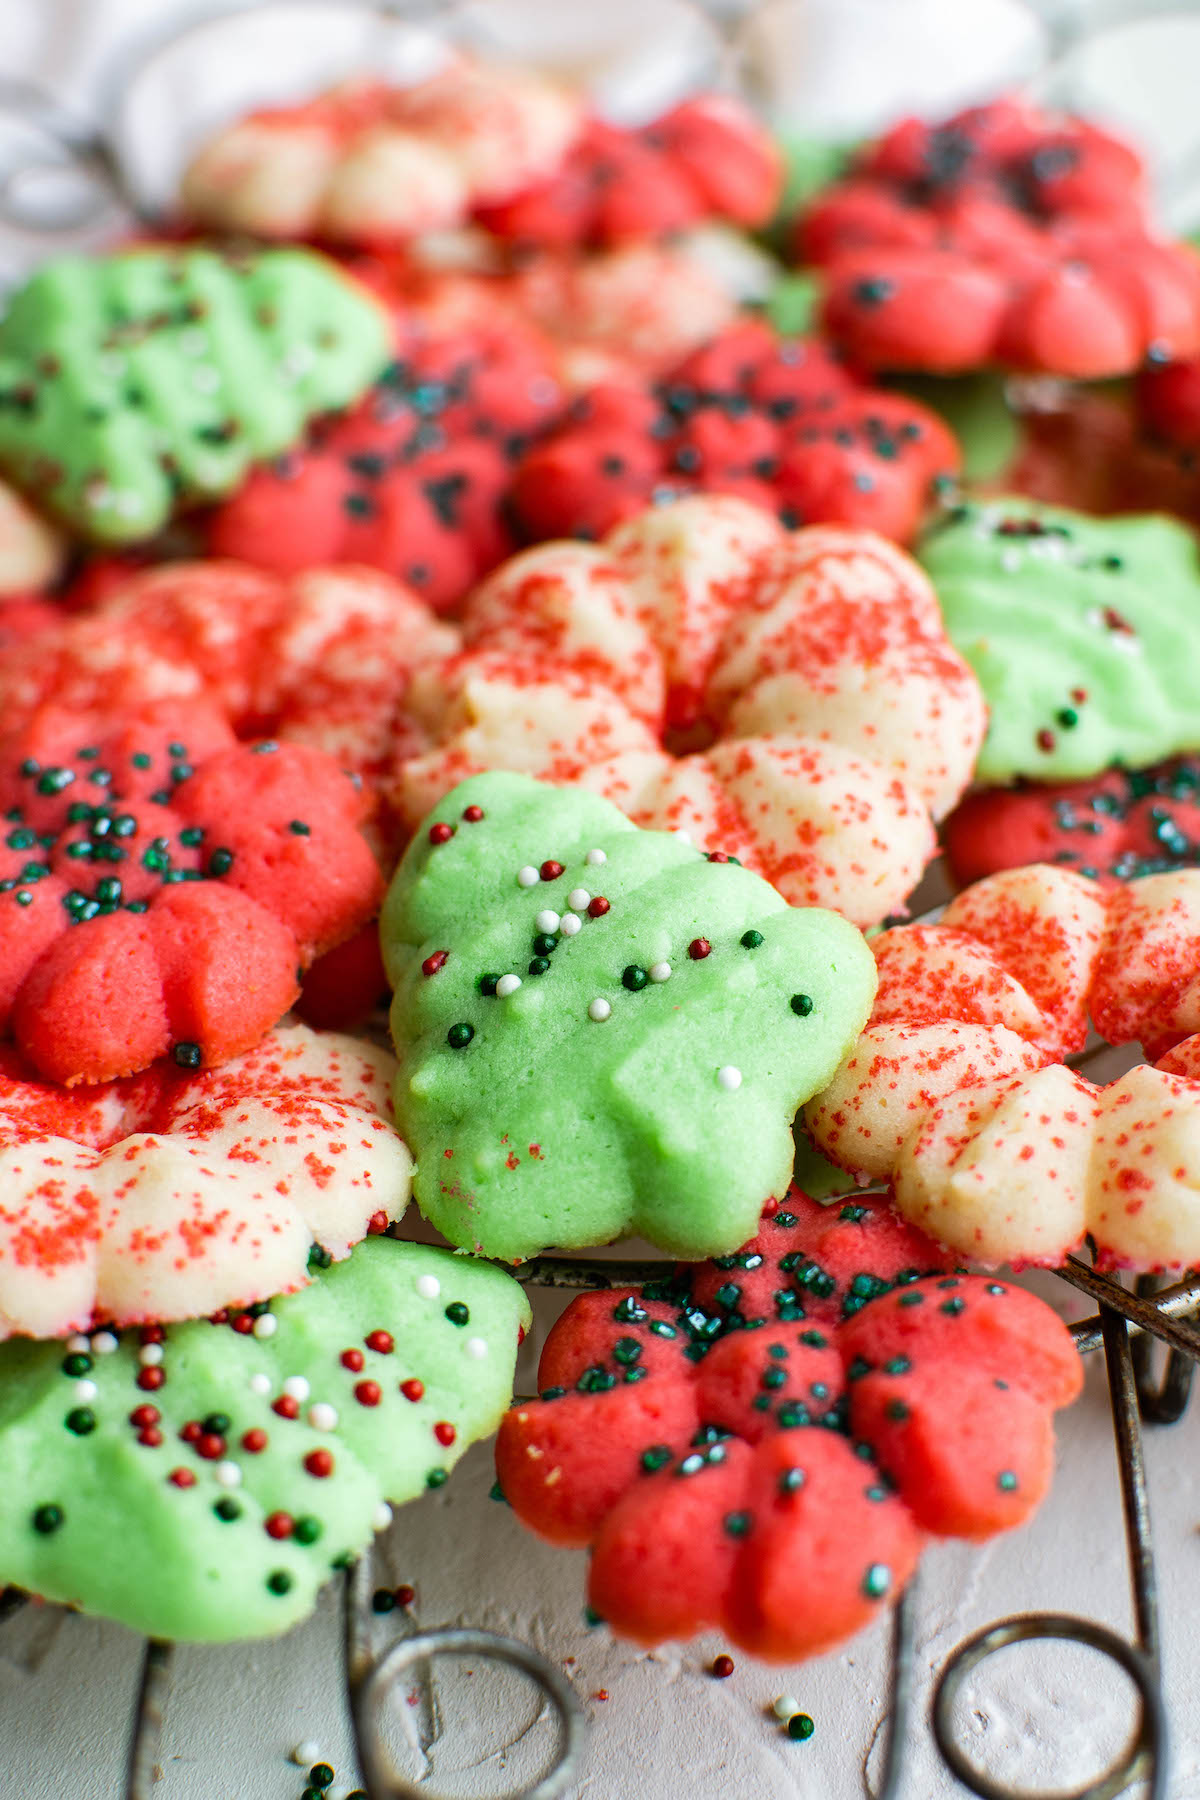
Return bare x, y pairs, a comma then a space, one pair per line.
92, 1517
133, 384
977, 411
534, 1123
1084, 634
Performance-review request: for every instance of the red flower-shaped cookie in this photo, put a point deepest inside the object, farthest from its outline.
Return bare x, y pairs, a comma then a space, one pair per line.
708, 158
161, 885
1124, 824
775, 420
1003, 235
413, 479
760, 1444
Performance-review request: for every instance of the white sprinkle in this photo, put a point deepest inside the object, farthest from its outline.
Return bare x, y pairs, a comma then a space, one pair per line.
337, 1793
595, 859
569, 924
577, 899
104, 1343
296, 1387
528, 876
150, 1355
79, 1345
205, 380
193, 342
266, 1325
228, 1474
381, 1518
1010, 561
428, 1286
322, 1416
126, 504
307, 1753
507, 984
599, 1010
660, 971
729, 1078
785, 1707
685, 837
260, 1384
476, 1348
84, 1390
547, 921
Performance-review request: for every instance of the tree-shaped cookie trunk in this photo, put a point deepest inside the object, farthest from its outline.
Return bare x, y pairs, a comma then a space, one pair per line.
602, 1029
135, 384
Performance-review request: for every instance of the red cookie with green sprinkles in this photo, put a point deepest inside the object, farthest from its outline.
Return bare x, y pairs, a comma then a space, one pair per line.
162, 885
759, 1445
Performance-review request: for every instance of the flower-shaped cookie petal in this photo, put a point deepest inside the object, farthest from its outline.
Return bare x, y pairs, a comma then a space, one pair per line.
957, 1092
842, 717
160, 885
133, 384
1082, 633
412, 480
708, 158
172, 1196
1003, 235
600, 1029
775, 1483
777, 420
236, 1463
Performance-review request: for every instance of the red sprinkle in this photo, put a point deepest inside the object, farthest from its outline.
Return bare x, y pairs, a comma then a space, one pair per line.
404, 1596
151, 1334
210, 1446
1117, 622
368, 1393
722, 1667
440, 834
319, 1463
699, 948
1079, 695
600, 1694
190, 1432
377, 1223
254, 1442
279, 1525
1045, 739
473, 814
444, 1432
286, 1407
183, 1478
242, 1322
353, 1360
433, 963
412, 1389
597, 907
718, 856
550, 870
383, 1341
149, 1379
151, 1437
141, 1416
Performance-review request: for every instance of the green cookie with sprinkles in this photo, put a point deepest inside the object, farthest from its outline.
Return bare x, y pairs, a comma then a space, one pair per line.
202, 1481
1084, 634
602, 1030
134, 384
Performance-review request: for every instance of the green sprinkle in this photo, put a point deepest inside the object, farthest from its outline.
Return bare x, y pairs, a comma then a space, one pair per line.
792, 1480
1006, 1481
801, 1005
279, 1582
77, 1364
81, 1420
800, 1728
459, 1036
436, 1478
47, 1519
877, 1581
953, 1307
750, 940
191, 835
187, 1056
539, 965
220, 862
738, 1524
897, 1411
299, 828
458, 1313
656, 1457
321, 1775
634, 978
228, 1509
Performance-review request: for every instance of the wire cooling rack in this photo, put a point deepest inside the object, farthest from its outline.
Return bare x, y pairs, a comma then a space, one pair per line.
1127, 1327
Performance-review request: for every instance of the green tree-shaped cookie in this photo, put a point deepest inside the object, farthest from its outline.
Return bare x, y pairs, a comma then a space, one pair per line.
1084, 634
600, 1029
133, 384
203, 1485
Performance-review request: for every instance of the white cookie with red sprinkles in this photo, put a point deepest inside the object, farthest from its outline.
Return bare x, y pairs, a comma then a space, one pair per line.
173, 1195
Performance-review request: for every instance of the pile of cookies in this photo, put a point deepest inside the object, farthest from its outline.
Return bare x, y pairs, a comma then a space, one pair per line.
530, 636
